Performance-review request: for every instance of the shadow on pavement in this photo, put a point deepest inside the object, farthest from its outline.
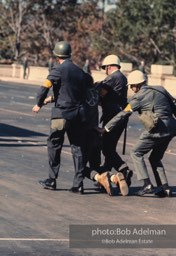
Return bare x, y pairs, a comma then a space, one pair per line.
133, 190
10, 130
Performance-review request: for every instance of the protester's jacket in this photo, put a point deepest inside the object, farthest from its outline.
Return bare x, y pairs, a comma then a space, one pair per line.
69, 89
116, 98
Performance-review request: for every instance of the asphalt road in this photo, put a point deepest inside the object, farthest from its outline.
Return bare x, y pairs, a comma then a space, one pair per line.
35, 221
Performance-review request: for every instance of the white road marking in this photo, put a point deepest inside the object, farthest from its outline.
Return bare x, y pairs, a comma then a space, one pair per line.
34, 239
16, 112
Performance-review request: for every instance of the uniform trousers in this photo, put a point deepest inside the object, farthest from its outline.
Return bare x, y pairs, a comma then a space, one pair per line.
93, 149
109, 144
76, 133
157, 144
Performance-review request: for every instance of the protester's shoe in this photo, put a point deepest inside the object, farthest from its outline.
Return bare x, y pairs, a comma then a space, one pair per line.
128, 175
48, 183
164, 192
104, 180
120, 181
146, 189
78, 190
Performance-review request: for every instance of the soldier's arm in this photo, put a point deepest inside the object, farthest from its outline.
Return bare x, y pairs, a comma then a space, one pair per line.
41, 95
119, 118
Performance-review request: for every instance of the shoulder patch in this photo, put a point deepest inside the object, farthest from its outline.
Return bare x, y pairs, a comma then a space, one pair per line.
128, 108
47, 83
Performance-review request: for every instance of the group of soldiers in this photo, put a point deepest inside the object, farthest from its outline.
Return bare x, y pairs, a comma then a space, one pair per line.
76, 99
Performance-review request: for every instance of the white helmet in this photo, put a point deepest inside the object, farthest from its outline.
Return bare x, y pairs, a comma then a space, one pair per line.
110, 60
136, 77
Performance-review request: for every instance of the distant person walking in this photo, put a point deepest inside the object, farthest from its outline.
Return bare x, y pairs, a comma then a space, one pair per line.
25, 68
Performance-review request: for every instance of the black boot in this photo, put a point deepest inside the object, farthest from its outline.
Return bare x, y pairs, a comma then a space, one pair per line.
146, 189
79, 190
48, 183
164, 191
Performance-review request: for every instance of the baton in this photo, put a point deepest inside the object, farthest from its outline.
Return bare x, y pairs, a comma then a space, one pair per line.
124, 140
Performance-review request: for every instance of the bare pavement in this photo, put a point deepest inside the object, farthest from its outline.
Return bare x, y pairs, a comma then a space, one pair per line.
35, 221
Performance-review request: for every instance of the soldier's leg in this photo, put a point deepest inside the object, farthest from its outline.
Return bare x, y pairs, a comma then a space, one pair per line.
155, 160
143, 146
77, 134
158, 168
54, 143
94, 149
109, 144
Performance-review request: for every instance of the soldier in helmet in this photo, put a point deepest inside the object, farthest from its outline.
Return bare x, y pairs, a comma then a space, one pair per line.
157, 100
68, 115
113, 98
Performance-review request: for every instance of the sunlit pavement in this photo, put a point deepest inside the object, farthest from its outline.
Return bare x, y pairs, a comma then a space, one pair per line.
35, 221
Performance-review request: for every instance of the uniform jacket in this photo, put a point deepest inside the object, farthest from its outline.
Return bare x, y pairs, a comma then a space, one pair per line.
142, 101
116, 99
69, 89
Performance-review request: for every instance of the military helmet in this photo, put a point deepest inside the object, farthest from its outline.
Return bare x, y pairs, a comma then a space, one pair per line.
62, 49
136, 77
110, 60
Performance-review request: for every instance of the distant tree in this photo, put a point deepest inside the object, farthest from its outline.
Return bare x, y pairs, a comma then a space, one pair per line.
34, 26
12, 15
134, 30
140, 29
87, 21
